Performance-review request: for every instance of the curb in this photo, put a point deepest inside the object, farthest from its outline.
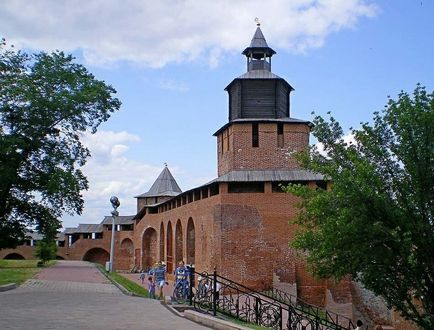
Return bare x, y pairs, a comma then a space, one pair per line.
8, 287
211, 321
120, 287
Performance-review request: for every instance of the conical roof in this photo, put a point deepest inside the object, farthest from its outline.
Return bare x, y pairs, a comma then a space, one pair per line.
165, 185
258, 44
258, 40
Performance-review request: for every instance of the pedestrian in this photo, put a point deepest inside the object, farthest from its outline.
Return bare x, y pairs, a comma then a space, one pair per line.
181, 272
151, 287
160, 278
142, 276
359, 325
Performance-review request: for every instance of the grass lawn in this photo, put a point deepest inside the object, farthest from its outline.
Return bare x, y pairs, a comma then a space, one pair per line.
18, 271
126, 283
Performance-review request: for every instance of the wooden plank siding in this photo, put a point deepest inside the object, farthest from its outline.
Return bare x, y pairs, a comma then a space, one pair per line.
258, 99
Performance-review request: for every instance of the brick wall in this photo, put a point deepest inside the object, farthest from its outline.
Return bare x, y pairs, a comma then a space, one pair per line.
246, 237
235, 151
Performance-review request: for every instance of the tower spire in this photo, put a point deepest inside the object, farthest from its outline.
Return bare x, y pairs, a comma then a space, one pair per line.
258, 53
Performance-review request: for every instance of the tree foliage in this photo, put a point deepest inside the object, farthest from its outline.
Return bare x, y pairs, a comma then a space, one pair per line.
46, 250
376, 221
46, 102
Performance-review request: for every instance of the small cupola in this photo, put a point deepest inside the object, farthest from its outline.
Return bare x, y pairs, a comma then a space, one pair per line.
258, 53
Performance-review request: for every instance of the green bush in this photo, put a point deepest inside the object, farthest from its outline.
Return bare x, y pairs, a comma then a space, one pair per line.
46, 251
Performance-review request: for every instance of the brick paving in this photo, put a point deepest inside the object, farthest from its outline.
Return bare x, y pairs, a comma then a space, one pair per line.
75, 271
74, 295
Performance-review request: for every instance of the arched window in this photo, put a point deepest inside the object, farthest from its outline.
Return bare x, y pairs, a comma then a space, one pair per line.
149, 248
162, 256
191, 242
179, 242
169, 248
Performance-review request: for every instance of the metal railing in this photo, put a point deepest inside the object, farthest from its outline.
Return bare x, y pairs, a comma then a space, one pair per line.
212, 294
310, 309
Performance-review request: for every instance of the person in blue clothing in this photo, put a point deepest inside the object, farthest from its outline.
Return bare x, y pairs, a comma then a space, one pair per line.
181, 280
181, 272
159, 273
142, 276
151, 287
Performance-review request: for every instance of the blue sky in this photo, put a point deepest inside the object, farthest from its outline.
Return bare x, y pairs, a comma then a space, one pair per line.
171, 60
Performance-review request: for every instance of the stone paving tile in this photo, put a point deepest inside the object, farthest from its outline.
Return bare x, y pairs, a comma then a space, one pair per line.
81, 271
82, 303
22, 309
63, 286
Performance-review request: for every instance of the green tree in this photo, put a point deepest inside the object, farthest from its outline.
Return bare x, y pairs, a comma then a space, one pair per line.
46, 250
375, 222
46, 102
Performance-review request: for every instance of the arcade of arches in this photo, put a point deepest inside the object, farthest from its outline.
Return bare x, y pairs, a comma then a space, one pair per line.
170, 245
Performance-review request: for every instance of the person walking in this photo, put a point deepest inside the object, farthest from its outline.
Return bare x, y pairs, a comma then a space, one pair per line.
160, 278
142, 276
151, 287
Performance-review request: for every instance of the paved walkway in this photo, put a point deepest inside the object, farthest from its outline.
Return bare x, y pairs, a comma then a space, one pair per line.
75, 295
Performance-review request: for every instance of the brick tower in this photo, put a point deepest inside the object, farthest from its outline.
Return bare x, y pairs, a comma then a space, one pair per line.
260, 132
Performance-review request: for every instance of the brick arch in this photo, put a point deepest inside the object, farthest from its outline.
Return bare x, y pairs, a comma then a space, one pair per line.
97, 255
125, 261
149, 248
127, 247
191, 242
14, 256
169, 248
162, 255
179, 242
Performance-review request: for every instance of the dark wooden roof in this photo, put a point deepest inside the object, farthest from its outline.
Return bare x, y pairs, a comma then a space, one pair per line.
70, 230
263, 120
268, 176
84, 228
119, 220
89, 228
258, 44
257, 75
34, 235
165, 185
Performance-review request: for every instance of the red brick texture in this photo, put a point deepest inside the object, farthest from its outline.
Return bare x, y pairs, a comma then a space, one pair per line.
235, 151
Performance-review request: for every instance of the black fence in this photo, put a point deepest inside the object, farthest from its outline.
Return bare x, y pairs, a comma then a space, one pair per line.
213, 294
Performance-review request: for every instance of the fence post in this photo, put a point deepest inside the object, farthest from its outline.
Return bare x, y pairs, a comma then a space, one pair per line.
214, 293
257, 309
190, 293
281, 317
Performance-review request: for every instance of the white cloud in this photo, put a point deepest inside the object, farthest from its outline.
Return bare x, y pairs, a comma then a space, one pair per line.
109, 173
154, 33
173, 85
347, 138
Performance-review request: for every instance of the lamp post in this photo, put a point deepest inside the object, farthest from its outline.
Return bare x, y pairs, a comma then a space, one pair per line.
115, 203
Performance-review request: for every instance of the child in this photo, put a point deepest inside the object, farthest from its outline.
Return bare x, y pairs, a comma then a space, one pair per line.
151, 287
142, 276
